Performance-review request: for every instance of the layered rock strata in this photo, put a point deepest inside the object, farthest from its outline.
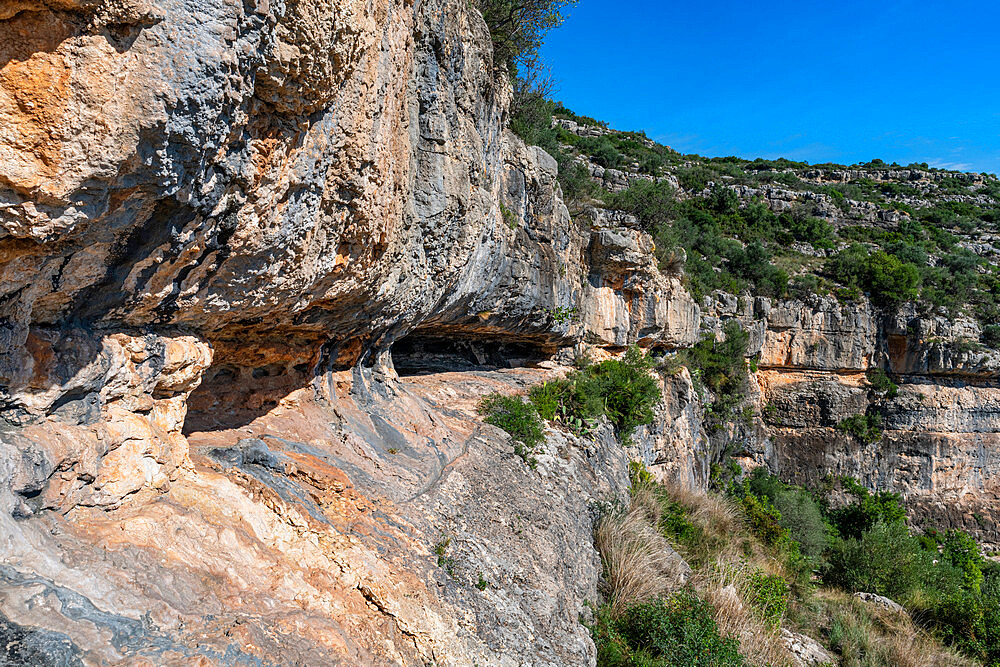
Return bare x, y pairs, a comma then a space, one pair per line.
941, 431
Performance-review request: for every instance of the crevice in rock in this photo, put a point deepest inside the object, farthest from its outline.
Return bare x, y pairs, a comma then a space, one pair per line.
419, 354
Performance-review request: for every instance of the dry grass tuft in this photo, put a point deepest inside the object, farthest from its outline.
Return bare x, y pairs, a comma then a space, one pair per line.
727, 556
729, 568
868, 636
639, 563
726, 587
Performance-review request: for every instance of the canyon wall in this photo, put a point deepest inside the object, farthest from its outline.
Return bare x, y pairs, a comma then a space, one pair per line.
941, 431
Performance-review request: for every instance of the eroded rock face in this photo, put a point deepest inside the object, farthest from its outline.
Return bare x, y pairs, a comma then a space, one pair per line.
942, 430
218, 219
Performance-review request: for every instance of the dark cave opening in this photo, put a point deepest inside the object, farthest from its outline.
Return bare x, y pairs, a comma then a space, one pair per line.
418, 354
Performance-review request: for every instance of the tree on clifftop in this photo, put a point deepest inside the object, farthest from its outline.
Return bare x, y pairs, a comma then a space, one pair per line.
517, 27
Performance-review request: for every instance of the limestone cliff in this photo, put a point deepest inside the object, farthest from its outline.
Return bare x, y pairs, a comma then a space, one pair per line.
812, 351
222, 224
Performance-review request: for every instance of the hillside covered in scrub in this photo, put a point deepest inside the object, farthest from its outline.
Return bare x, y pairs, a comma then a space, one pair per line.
780, 228
903, 256
327, 339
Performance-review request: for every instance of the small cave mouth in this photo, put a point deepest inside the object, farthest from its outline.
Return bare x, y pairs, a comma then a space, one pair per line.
425, 355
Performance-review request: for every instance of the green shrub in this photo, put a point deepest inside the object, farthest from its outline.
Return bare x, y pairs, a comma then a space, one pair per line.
801, 227
664, 633
802, 516
628, 389
639, 476
623, 390
880, 382
769, 594
866, 510
550, 397
675, 523
866, 428
991, 336
963, 552
888, 561
721, 365
753, 263
695, 178
885, 277
518, 418
805, 286
763, 519
601, 151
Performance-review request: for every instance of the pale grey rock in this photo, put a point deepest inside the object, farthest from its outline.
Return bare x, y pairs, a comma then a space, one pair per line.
806, 651
880, 601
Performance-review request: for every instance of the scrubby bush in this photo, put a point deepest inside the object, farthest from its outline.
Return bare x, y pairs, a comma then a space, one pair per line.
763, 519
622, 390
880, 382
721, 365
866, 510
991, 336
628, 390
866, 428
769, 594
802, 517
885, 277
695, 178
518, 418
805, 286
799, 512
753, 263
799, 226
668, 632
885, 560
963, 552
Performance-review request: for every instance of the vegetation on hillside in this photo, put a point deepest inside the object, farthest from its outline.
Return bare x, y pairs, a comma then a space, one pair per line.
768, 555
740, 245
621, 390
720, 365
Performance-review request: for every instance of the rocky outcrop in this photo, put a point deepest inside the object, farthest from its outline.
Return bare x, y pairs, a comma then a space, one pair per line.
941, 429
221, 222
397, 530
879, 601
806, 651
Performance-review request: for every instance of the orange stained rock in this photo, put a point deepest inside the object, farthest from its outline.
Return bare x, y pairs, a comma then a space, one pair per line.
769, 380
34, 94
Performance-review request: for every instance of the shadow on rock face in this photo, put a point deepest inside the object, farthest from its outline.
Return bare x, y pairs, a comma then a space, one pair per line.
30, 646
421, 355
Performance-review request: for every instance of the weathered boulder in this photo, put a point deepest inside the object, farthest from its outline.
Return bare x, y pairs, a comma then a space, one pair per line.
806, 651
880, 601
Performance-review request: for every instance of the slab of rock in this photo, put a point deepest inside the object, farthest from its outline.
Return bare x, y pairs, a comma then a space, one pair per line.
880, 601
806, 650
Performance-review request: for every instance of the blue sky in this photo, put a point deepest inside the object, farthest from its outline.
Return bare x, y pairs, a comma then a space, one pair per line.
905, 81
